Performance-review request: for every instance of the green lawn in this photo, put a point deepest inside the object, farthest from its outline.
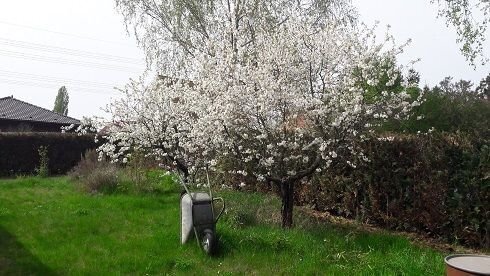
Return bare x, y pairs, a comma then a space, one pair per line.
49, 227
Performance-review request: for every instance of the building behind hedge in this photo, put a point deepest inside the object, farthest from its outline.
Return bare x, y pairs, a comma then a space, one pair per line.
19, 116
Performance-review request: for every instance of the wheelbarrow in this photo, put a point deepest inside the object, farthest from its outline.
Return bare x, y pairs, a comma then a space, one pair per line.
198, 215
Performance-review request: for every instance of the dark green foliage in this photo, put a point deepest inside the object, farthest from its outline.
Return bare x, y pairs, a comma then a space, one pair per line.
19, 151
483, 90
436, 184
61, 101
448, 107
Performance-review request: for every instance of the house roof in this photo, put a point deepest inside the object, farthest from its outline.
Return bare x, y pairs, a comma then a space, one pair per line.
14, 109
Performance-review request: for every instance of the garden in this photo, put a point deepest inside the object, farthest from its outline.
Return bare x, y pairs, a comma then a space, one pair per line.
331, 156
109, 218
49, 227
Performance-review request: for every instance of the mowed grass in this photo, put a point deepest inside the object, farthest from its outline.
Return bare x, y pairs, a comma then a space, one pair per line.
48, 227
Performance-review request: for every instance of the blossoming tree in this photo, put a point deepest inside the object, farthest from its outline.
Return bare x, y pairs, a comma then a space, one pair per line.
294, 105
281, 95
173, 33
155, 119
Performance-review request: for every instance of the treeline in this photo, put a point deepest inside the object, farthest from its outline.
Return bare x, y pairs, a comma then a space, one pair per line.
450, 107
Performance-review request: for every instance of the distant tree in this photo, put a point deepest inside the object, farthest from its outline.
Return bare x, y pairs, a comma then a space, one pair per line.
461, 87
61, 102
470, 31
483, 90
450, 106
413, 77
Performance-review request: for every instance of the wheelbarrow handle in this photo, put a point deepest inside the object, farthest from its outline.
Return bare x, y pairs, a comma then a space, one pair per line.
222, 209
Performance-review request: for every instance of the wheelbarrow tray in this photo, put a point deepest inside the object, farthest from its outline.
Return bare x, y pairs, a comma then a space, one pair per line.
196, 212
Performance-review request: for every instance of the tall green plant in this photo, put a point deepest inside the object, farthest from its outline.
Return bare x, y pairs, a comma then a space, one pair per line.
43, 170
61, 101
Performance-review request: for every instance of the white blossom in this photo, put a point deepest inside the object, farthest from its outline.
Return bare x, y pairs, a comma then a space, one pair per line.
287, 103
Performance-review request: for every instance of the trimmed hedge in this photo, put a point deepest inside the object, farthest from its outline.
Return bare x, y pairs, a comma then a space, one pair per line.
437, 184
19, 151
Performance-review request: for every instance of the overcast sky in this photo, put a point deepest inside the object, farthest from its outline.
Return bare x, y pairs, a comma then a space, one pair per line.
84, 46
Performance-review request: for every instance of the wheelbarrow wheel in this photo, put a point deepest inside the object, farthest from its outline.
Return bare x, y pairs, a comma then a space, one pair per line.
208, 243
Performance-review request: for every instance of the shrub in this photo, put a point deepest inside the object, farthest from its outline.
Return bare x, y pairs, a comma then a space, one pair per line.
137, 171
137, 176
43, 170
103, 179
438, 185
96, 176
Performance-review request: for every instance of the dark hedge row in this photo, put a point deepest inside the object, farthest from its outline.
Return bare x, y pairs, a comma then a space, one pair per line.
436, 184
19, 151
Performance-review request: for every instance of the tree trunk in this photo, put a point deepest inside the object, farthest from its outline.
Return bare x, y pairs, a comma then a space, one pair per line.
287, 195
181, 168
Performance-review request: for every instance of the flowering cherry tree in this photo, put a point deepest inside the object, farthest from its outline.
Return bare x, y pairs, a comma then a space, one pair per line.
155, 119
294, 105
284, 97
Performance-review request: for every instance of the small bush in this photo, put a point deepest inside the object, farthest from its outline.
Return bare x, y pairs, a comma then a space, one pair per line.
96, 176
87, 164
103, 179
246, 209
43, 170
136, 176
137, 170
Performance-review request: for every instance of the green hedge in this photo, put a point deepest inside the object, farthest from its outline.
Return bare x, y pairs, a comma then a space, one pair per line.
19, 151
436, 184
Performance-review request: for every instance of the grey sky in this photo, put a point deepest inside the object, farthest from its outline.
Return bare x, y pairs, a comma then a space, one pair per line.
432, 42
38, 39
34, 71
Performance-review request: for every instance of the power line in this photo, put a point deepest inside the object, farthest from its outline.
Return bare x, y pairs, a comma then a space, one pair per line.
53, 79
88, 64
62, 33
56, 81
62, 50
50, 86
